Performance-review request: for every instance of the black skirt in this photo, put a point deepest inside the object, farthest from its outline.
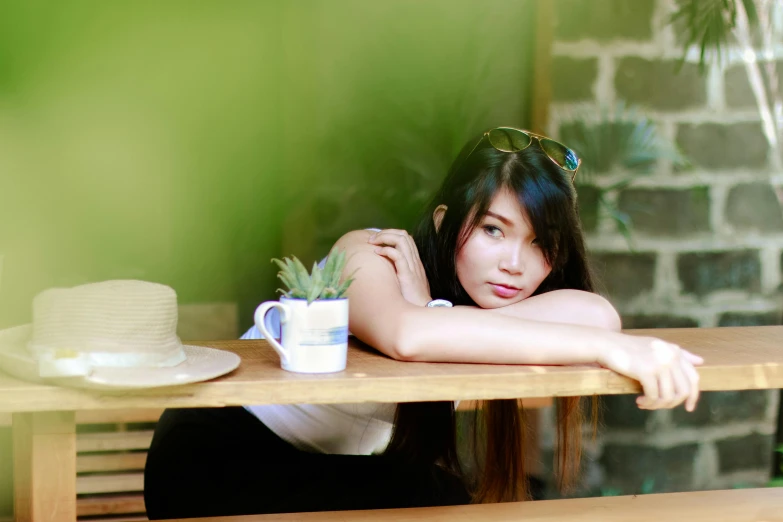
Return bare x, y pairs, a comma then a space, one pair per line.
207, 462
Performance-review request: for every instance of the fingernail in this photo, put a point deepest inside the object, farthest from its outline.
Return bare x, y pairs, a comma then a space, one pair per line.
377, 250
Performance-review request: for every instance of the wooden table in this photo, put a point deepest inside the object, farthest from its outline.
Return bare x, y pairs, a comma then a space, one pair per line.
43, 416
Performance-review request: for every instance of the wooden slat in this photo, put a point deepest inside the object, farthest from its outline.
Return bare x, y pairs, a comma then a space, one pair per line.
110, 483
737, 358
44, 466
128, 518
110, 505
530, 404
113, 441
741, 505
111, 462
118, 416
105, 416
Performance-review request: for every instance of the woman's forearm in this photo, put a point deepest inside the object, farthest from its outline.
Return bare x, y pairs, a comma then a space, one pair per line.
473, 335
567, 307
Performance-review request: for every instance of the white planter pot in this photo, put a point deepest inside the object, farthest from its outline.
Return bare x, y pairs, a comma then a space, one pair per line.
314, 338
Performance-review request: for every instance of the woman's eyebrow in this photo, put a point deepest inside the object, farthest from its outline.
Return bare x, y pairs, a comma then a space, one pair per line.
505, 220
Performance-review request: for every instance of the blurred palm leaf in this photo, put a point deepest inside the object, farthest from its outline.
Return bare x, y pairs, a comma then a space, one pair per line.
709, 24
620, 138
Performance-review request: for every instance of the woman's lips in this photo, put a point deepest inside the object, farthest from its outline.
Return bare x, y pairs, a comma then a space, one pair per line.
504, 291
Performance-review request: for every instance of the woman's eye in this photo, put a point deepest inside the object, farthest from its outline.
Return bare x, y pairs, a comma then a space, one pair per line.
535, 242
492, 230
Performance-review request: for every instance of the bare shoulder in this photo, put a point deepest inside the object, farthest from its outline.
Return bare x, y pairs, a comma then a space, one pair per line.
353, 240
362, 254
376, 302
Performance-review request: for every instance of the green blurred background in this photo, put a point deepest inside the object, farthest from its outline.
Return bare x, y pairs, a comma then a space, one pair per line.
190, 142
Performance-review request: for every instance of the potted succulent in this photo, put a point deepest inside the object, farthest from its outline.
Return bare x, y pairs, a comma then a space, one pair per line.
313, 315
321, 283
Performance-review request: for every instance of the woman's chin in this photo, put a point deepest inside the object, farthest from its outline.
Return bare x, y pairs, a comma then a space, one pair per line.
493, 301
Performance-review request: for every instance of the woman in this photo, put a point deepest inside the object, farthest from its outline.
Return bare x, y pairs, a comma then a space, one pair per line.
495, 273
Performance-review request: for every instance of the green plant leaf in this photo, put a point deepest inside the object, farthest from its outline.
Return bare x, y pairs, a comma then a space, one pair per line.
339, 266
709, 25
287, 280
283, 266
622, 219
317, 282
617, 137
286, 274
302, 277
647, 486
298, 294
328, 271
291, 270
344, 286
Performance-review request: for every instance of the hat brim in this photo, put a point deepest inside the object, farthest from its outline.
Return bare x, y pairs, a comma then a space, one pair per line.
201, 364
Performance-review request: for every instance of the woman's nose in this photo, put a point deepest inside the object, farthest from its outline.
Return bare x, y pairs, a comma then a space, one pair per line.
512, 261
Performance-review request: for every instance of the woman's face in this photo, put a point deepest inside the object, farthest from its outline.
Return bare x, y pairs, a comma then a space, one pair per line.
501, 262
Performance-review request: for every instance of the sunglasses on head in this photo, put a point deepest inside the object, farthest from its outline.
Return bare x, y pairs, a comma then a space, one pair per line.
508, 139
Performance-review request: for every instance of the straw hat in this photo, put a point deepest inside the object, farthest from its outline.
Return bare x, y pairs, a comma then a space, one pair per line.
110, 335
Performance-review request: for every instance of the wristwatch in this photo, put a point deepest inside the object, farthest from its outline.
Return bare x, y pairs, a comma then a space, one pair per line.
437, 303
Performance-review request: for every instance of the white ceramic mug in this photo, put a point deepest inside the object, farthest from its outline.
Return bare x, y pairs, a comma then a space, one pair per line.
313, 338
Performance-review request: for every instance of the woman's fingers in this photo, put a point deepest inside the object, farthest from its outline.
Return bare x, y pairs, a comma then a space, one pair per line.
682, 384
650, 388
396, 257
665, 389
398, 238
403, 241
394, 240
693, 377
399, 247
692, 357
665, 371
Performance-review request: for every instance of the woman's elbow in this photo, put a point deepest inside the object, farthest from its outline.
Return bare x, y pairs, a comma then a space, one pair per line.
407, 340
405, 348
606, 316
394, 338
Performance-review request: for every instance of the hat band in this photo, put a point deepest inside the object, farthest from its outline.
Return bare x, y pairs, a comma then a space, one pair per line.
65, 362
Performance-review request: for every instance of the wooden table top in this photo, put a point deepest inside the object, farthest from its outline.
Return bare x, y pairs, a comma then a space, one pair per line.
736, 359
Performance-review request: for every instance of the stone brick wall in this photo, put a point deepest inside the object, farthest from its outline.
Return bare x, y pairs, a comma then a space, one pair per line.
708, 240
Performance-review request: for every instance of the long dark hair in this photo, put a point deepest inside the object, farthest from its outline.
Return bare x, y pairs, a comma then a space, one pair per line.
425, 433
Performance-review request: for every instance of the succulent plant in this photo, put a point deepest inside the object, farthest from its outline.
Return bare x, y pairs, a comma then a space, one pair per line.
320, 283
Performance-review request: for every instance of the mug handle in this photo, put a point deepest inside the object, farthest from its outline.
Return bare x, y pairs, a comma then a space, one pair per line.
261, 312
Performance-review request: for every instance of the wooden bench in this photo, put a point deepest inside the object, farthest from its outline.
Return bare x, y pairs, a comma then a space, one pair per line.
44, 433
110, 462
110, 457
740, 505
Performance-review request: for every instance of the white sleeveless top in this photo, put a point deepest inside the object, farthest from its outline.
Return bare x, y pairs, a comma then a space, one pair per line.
347, 429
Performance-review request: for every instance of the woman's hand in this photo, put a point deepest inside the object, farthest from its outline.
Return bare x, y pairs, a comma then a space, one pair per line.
398, 246
665, 371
